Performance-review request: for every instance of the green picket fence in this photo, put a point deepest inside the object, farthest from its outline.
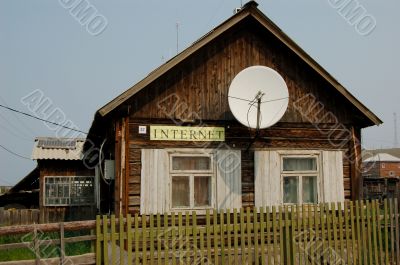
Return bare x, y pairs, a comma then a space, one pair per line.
337, 233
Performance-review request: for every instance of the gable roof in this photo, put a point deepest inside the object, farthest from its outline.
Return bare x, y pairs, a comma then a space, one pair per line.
249, 9
382, 157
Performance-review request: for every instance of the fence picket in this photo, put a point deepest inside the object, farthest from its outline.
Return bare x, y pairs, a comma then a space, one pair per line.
249, 241
341, 238
386, 232
222, 235
347, 232
337, 233
215, 228
208, 228
137, 247
195, 243
235, 237
98, 240
262, 235
129, 238
151, 237
369, 231
374, 232
255, 237
242, 238
158, 221
105, 239
144, 240
391, 225
166, 239
187, 238
287, 236
229, 233
121, 240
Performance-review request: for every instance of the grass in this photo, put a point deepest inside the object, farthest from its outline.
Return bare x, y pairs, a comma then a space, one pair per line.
46, 250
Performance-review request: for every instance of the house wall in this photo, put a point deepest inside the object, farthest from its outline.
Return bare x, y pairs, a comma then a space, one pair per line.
64, 168
196, 92
381, 169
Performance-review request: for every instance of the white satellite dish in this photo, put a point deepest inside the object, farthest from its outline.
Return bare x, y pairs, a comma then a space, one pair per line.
258, 97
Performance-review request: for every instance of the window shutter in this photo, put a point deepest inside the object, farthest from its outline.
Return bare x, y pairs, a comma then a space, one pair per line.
154, 191
332, 176
267, 179
229, 179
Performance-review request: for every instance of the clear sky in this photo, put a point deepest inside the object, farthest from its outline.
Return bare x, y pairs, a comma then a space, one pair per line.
44, 48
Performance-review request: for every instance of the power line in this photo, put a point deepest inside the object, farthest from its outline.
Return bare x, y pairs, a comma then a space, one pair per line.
40, 119
11, 152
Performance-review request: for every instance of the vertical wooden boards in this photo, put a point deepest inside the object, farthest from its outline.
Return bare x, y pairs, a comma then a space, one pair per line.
333, 185
267, 178
154, 181
229, 179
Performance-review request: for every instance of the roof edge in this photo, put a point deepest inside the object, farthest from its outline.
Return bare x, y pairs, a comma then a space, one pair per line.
249, 9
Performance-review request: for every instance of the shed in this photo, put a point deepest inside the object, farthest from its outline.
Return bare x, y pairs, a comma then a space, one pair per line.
176, 145
66, 184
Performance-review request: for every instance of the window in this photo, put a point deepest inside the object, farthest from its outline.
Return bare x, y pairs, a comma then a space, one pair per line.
71, 190
191, 181
299, 178
181, 179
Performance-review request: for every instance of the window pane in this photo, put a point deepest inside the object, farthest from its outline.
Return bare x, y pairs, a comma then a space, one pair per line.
290, 188
310, 189
180, 192
202, 191
299, 164
191, 163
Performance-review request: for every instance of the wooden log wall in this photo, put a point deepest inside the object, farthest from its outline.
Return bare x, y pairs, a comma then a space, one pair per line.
280, 136
195, 91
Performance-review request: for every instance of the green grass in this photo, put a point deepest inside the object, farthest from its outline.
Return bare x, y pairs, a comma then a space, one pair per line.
46, 251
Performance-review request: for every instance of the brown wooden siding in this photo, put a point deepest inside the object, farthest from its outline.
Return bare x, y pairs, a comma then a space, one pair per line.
64, 168
200, 84
195, 92
237, 136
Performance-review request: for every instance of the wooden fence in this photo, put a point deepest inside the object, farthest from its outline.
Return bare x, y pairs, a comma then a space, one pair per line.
349, 233
30, 216
44, 241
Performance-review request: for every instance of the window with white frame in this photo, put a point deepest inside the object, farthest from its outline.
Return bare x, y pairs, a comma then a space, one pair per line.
68, 190
192, 177
299, 177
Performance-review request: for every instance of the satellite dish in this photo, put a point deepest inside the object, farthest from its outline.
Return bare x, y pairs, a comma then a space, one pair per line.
258, 97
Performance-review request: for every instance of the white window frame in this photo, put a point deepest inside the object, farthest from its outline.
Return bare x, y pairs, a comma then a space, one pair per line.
192, 174
301, 174
70, 183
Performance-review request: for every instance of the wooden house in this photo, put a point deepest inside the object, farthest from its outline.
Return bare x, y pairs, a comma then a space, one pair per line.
176, 145
66, 184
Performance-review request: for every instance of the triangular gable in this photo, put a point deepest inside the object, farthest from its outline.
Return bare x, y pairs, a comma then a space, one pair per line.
250, 9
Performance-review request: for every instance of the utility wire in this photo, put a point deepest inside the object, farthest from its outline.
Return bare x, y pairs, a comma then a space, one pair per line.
11, 152
32, 116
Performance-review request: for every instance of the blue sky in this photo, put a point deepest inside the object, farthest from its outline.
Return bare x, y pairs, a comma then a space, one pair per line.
43, 47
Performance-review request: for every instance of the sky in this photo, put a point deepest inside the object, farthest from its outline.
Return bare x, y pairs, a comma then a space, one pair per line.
79, 66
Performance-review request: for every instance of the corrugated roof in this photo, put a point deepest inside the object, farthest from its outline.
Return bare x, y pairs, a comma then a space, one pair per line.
382, 157
68, 152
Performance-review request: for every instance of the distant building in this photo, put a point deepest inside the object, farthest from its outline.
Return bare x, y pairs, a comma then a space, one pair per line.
380, 176
381, 165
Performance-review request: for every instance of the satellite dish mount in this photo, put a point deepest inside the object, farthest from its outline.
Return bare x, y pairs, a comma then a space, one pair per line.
268, 103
